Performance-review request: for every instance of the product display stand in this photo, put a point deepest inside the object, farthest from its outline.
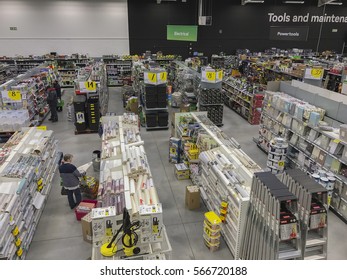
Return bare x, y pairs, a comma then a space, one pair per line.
313, 210
28, 164
118, 70
91, 98
225, 174
314, 144
272, 229
126, 181
154, 99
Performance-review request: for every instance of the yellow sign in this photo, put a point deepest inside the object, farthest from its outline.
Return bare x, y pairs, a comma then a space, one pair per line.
317, 73
220, 75
19, 252
90, 85
211, 76
15, 231
42, 127
337, 141
163, 77
14, 95
152, 77
281, 163
18, 242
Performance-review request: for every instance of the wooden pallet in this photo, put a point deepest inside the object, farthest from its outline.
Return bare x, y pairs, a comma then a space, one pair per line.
87, 131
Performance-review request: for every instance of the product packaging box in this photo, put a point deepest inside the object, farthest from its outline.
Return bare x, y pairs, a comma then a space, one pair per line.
151, 218
343, 132
86, 223
104, 224
182, 171
174, 150
192, 197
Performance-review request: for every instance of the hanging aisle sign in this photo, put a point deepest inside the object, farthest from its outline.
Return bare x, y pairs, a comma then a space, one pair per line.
11, 96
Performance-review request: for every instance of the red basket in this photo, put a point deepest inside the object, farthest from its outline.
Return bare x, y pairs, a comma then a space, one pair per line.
79, 214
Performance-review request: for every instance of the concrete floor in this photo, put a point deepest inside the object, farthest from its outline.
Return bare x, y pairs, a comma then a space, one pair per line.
59, 236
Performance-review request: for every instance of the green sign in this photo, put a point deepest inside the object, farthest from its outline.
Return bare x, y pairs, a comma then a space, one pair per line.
182, 32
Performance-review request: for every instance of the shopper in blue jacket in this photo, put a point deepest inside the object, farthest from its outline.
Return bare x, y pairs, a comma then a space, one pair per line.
70, 177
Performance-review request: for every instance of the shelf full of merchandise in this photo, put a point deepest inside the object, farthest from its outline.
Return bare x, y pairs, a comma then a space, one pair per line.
6, 73
124, 160
28, 164
24, 98
315, 148
225, 174
238, 97
118, 69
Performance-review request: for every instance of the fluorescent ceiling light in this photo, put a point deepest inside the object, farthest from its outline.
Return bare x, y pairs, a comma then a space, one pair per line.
293, 2
253, 1
334, 3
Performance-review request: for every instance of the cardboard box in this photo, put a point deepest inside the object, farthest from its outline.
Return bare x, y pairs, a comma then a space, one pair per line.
182, 171
86, 223
192, 197
151, 218
104, 225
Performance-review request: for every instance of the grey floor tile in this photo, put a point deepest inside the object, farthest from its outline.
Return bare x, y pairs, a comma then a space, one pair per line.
201, 252
181, 249
73, 248
337, 232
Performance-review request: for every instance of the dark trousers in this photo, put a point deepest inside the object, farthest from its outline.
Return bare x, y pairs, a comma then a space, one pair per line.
73, 202
54, 114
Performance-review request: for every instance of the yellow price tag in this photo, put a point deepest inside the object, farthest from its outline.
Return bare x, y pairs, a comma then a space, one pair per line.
15, 231
316, 73
18, 242
19, 252
220, 75
337, 141
211, 76
329, 199
90, 85
41, 127
163, 76
173, 150
281, 163
14, 95
152, 77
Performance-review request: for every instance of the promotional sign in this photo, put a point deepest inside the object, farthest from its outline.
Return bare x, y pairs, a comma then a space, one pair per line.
182, 33
211, 76
282, 33
314, 73
155, 78
89, 86
11, 96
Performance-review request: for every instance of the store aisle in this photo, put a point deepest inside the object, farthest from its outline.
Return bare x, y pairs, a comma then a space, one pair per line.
59, 234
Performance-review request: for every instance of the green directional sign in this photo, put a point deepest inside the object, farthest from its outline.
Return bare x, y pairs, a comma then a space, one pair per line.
182, 33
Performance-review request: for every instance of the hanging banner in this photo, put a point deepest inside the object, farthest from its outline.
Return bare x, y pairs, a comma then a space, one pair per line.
182, 33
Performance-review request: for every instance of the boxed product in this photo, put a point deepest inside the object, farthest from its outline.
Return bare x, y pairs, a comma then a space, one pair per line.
174, 150
192, 197
104, 224
182, 171
86, 223
151, 218
84, 208
343, 132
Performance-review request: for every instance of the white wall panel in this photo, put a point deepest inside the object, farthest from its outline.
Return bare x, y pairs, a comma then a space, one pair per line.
85, 26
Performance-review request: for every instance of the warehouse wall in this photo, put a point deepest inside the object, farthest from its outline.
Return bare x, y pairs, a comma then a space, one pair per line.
82, 26
233, 26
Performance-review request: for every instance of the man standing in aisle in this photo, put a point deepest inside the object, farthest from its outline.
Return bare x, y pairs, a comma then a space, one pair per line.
57, 89
52, 102
70, 177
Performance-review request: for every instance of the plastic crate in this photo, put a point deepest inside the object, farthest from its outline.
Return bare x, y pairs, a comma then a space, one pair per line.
81, 214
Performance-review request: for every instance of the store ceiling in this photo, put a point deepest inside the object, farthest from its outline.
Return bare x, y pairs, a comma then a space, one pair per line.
299, 2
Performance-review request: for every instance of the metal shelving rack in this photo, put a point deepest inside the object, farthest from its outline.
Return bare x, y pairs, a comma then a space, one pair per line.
272, 228
313, 213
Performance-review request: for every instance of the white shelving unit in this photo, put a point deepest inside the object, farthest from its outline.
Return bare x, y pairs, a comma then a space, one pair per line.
226, 174
123, 158
26, 173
